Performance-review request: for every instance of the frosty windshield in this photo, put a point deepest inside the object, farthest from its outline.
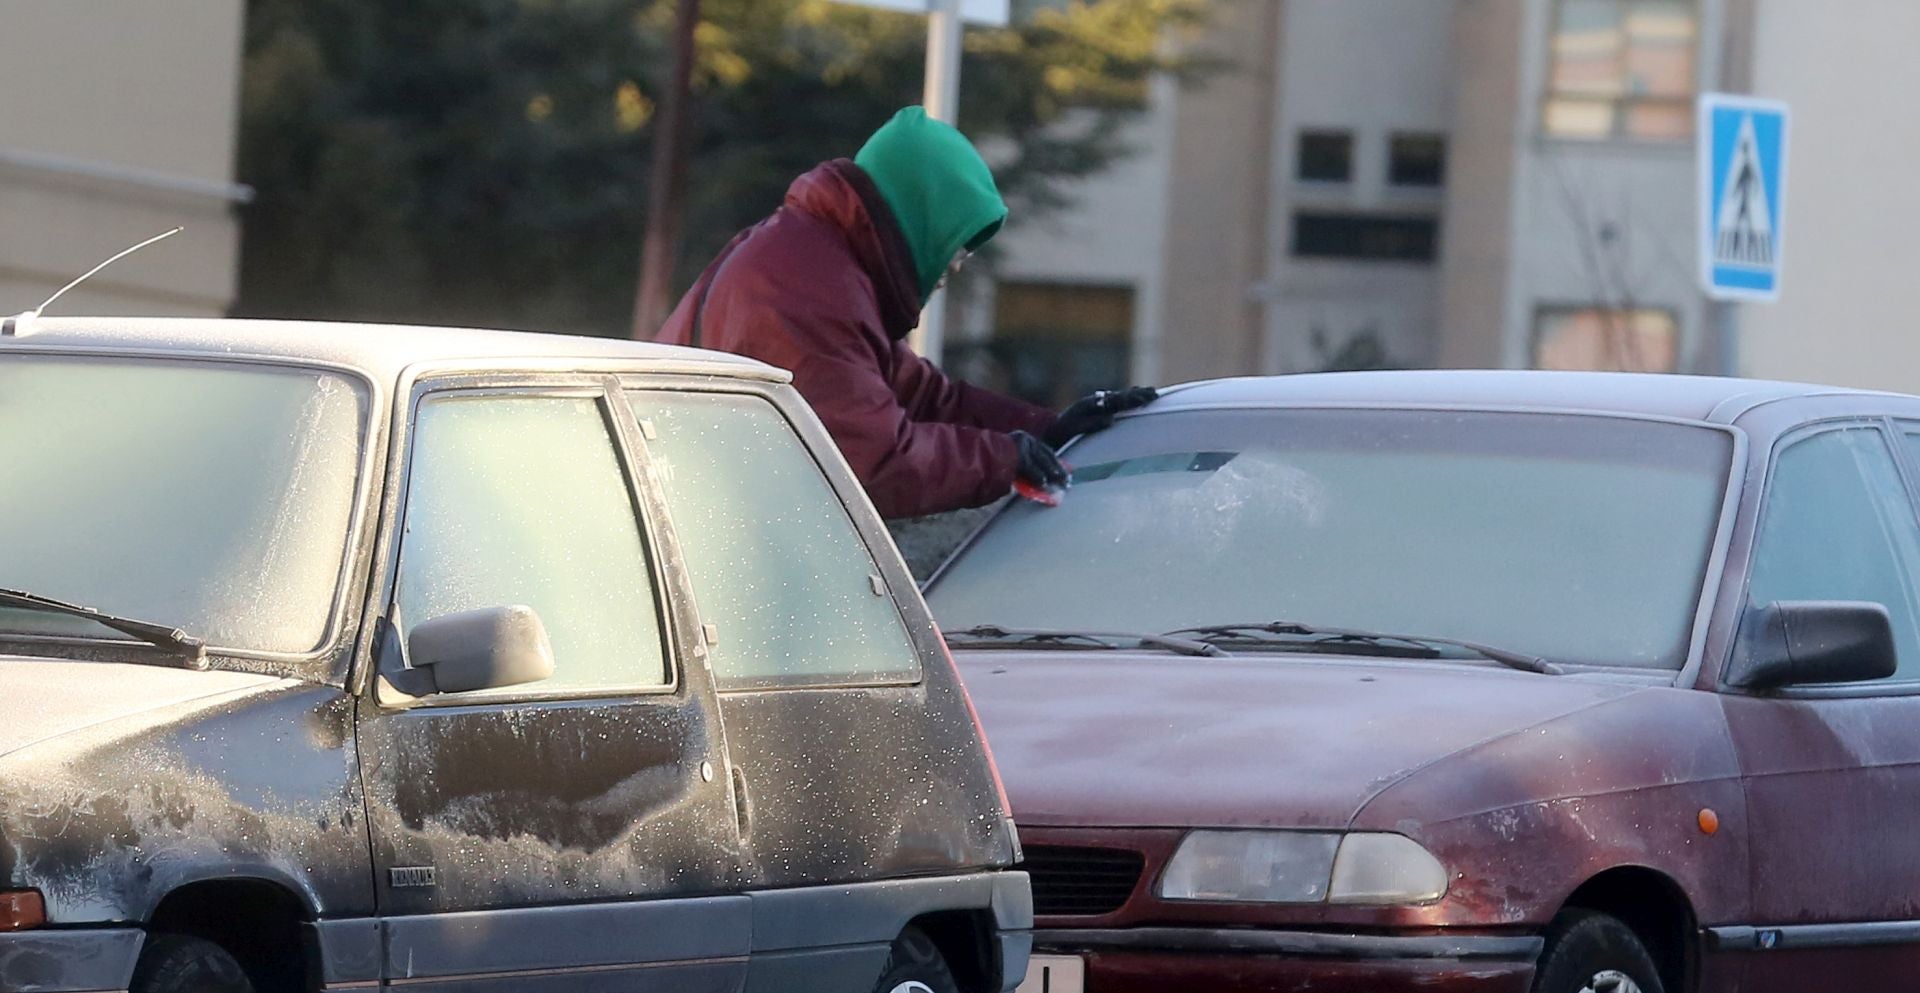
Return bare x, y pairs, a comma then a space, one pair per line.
1581, 539
212, 497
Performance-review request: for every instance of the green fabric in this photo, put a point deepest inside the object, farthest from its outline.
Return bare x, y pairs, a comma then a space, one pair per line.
939, 188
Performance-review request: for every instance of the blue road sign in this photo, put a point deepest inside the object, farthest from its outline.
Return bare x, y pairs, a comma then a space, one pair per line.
1741, 146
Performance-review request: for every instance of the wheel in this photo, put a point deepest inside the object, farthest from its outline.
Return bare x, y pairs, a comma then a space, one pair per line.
914, 965
175, 963
1589, 952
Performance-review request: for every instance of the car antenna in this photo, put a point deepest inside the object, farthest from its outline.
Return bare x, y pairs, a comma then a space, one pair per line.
16, 325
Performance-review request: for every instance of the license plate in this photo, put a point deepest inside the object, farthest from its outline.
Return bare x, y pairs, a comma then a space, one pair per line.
1055, 974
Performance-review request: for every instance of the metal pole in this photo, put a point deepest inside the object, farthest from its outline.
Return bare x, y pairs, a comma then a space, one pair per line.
1726, 337
942, 101
660, 248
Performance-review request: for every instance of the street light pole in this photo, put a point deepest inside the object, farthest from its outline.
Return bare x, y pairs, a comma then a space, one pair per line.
942, 101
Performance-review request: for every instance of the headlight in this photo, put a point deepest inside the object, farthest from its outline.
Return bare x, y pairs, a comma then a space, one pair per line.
1386, 868
1302, 867
1253, 866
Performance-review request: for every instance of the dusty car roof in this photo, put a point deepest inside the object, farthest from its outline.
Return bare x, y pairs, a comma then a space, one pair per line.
1706, 398
379, 350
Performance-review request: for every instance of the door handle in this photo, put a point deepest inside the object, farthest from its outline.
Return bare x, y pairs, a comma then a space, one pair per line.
742, 802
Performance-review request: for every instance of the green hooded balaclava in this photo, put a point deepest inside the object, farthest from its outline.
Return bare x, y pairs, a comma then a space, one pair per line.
940, 190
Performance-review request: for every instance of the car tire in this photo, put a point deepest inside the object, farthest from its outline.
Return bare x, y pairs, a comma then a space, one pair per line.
914, 965
176, 963
1590, 952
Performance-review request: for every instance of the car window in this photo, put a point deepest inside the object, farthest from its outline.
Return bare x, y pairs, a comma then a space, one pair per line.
522, 500
1912, 439
1837, 526
213, 497
777, 565
1580, 539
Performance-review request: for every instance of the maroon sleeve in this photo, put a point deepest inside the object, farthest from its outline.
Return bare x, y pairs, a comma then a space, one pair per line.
928, 395
908, 467
797, 302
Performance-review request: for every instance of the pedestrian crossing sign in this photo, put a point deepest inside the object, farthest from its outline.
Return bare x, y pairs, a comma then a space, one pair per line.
1741, 146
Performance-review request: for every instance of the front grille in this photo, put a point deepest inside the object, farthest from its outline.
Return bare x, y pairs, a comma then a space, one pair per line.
1080, 882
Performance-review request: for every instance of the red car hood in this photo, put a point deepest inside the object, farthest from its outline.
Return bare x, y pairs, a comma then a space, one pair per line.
1124, 739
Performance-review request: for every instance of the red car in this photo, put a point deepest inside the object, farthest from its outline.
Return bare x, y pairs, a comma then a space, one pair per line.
1464, 681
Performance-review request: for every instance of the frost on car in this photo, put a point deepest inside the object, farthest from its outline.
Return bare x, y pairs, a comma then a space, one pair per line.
449, 658
1465, 681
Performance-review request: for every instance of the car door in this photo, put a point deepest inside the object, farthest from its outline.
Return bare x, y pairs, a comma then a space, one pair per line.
855, 755
1832, 773
574, 826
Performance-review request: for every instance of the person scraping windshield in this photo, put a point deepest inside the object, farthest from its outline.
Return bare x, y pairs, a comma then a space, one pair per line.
830, 285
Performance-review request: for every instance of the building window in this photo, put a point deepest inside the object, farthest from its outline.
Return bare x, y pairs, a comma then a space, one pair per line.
1326, 156
1053, 343
1606, 339
1623, 68
1417, 160
1365, 237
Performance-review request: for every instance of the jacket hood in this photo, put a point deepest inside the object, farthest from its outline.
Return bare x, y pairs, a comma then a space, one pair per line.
841, 194
1119, 739
42, 699
940, 190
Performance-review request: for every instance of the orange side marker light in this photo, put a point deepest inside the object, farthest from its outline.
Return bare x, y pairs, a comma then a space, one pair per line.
1709, 821
21, 910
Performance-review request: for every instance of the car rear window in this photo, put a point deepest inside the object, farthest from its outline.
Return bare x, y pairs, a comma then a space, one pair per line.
1581, 539
777, 565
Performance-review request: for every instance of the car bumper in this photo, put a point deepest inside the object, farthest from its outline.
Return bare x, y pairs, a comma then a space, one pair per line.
1155, 959
80, 961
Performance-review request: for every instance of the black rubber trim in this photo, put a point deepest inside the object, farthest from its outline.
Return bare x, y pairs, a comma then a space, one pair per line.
1739, 938
69, 961
680, 932
1306, 944
866, 913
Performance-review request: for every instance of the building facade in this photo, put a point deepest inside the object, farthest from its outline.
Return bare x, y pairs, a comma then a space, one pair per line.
120, 123
1497, 183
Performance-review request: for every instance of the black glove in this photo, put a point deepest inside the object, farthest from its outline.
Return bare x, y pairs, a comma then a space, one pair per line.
1038, 464
1095, 413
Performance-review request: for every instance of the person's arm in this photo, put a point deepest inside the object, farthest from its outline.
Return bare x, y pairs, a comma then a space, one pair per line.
909, 467
928, 395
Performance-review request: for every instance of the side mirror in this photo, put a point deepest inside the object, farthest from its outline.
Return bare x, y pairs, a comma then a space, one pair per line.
481, 649
1815, 641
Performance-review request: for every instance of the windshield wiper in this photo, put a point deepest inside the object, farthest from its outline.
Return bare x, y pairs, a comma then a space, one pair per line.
162, 636
1381, 639
988, 635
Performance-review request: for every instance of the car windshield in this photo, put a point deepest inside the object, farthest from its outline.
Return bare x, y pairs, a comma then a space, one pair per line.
210, 497
1579, 539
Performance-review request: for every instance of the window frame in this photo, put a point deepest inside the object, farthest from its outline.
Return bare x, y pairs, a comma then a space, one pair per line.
1888, 431
604, 391
1394, 141
325, 662
1546, 311
1300, 156
1424, 227
1619, 105
921, 635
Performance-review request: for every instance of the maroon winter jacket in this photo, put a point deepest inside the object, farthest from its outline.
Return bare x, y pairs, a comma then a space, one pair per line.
825, 287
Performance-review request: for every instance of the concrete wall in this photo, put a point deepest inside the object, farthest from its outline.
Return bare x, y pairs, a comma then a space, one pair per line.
1536, 221
120, 122
1488, 117
1845, 313
1217, 227
1372, 67
1112, 235
1606, 224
